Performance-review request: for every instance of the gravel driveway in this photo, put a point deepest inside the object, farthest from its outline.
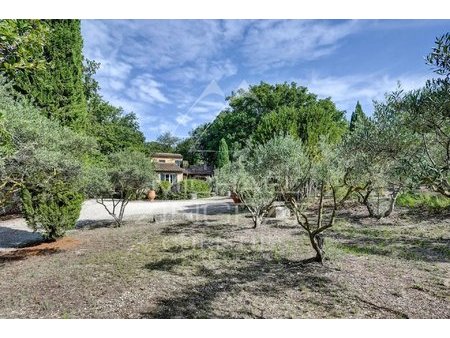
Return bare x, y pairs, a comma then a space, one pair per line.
15, 233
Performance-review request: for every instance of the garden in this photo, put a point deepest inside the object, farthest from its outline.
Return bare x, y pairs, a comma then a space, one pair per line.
364, 227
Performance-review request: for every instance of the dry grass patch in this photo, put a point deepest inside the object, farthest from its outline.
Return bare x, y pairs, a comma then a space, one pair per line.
221, 268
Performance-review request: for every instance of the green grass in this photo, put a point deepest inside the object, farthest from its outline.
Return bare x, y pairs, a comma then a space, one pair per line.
428, 201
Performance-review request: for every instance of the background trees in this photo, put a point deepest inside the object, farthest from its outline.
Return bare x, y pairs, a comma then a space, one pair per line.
269, 110
165, 143
357, 116
223, 157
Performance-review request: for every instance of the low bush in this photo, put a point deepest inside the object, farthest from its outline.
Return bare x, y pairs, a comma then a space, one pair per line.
428, 201
52, 210
199, 187
164, 189
184, 189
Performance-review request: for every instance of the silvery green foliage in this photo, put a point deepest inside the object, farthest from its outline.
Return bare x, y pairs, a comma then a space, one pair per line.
43, 161
39, 150
123, 177
284, 160
247, 177
303, 181
427, 114
379, 157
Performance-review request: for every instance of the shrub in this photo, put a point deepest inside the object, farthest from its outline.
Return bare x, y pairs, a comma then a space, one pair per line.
36, 155
199, 187
54, 209
164, 188
428, 201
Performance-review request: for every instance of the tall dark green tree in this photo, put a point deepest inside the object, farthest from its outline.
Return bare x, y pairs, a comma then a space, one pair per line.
22, 46
223, 157
58, 89
357, 115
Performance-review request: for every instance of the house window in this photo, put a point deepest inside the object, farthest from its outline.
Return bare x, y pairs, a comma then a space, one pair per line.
178, 162
172, 178
162, 161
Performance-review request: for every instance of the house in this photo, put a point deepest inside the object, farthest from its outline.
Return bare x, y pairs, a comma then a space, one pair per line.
168, 167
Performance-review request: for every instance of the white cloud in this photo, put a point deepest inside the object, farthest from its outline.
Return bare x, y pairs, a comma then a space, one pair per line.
157, 67
167, 43
183, 119
162, 128
204, 70
346, 90
145, 89
276, 43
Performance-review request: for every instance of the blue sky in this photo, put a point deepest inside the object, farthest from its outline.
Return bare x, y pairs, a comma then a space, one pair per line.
175, 74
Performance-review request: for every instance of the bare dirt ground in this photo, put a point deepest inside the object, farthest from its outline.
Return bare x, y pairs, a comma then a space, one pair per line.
219, 267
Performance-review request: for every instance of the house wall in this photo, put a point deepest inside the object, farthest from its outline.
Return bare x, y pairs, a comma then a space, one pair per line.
179, 175
166, 160
169, 160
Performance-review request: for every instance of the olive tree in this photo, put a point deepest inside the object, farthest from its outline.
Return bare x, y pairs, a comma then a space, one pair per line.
379, 157
42, 163
288, 164
426, 113
428, 116
246, 178
124, 176
429, 119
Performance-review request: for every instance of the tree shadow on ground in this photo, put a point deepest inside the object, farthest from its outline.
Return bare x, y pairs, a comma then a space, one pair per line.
14, 238
228, 208
281, 224
165, 264
208, 228
353, 218
95, 224
399, 246
424, 214
271, 277
246, 270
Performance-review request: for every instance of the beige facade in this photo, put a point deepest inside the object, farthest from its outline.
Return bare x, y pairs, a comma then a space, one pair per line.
162, 159
168, 167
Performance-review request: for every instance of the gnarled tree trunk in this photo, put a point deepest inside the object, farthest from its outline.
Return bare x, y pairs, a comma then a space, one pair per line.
376, 213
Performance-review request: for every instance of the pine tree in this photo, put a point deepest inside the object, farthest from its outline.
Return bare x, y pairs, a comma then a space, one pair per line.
223, 157
357, 115
58, 89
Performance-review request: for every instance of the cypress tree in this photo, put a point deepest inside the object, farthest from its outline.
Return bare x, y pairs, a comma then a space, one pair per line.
58, 89
223, 157
357, 115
